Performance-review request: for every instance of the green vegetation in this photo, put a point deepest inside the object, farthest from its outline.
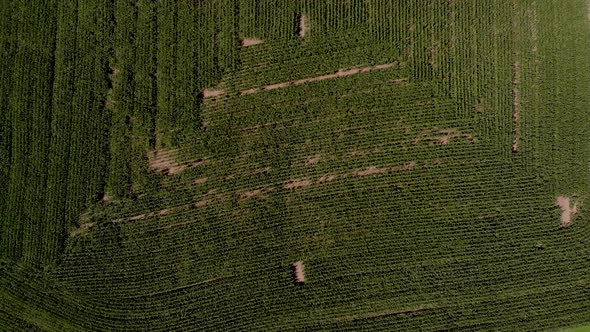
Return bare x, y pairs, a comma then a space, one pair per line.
162, 173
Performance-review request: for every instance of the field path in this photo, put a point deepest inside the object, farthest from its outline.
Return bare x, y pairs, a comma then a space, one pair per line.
340, 73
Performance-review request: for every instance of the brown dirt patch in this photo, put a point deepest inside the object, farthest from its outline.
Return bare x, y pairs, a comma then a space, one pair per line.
299, 272
209, 93
249, 91
294, 184
303, 26
262, 170
250, 194
338, 74
406, 167
568, 212
106, 198
201, 181
327, 178
137, 217
201, 204
164, 161
255, 193
358, 154
313, 160
247, 42
442, 136
516, 109
370, 171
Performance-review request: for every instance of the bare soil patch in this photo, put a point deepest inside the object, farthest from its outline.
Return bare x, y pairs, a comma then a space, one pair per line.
313, 160
106, 198
516, 110
294, 184
251, 41
201, 204
358, 154
443, 136
327, 178
260, 192
164, 161
338, 74
201, 181
568, 212
262, 170
137, 217
370, 171
299, 272
303, 26
249, 91
210, 93
406, 167
252, 193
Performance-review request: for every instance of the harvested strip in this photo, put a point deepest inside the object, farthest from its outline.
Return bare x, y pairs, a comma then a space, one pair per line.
262, 170
247, 42
299, 272
327, 178
209, 93
294, 184
358, 153
370, 171
443, 136
257, 192
82, 229
200, 204
200, 181
313, 160
338, 74
303, 26
516, 111
568, 212
164, 161
290, 184
406, 167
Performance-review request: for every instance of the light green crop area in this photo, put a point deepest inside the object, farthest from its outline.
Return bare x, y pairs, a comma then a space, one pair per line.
163, 164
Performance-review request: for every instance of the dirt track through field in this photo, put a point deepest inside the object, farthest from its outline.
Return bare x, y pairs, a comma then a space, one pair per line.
340, 73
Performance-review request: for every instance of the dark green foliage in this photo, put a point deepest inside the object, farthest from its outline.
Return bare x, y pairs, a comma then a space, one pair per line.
398, 186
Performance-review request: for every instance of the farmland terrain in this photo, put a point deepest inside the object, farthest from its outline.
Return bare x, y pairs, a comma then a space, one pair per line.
164, 164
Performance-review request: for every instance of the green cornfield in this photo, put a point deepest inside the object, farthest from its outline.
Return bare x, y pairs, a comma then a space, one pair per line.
294, 165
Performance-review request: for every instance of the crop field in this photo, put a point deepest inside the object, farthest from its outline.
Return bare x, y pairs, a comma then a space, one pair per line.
294, 165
